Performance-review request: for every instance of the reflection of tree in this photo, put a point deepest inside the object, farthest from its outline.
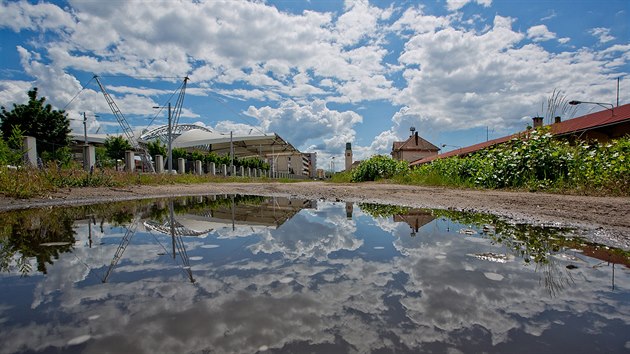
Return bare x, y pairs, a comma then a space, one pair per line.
538, 245
39, 234
555, 278
383, 210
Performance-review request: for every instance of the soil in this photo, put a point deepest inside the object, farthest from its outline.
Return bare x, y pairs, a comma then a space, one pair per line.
604, 220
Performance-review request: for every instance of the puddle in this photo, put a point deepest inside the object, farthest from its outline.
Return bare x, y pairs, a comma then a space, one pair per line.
242, 274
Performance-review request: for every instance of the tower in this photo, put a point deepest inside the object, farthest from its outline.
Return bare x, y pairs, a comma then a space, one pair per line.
348, 156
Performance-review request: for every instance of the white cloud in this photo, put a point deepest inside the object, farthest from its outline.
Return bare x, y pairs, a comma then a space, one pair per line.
454, 5
311, 123
540, 33
602, 34
21, 15
454, 71
458, 79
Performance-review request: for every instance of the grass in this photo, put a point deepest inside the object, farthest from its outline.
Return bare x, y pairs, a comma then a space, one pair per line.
26, 183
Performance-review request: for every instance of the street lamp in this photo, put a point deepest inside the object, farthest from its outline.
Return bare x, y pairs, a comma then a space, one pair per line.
170, 138
601, 104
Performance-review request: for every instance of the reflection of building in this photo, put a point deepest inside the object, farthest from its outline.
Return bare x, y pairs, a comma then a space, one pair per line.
272, 212
415, 218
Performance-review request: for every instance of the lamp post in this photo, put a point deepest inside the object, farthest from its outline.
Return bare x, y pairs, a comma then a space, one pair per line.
169, 138
601, 104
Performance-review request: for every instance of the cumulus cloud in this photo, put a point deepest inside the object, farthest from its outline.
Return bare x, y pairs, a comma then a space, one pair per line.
602, 34
446, 72
312, 123
20, 16
461, 79
454, 5
540, 33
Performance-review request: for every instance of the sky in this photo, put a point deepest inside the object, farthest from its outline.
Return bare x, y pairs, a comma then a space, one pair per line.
319, 73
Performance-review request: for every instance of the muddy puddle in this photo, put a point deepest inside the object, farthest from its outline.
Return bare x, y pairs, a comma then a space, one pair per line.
245, 274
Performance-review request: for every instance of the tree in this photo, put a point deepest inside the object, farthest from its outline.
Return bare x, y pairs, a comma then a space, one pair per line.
50, 127
179, 153
116, 147
11, 150
156, 148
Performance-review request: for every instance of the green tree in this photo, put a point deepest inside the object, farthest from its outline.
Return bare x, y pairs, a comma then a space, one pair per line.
116, 147
179, 153
11, 150
157, 148
50, 127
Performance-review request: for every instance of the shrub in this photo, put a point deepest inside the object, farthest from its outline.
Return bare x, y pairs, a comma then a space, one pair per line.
378, 167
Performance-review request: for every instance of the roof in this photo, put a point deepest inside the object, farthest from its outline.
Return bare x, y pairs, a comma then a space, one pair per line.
410, 144
571, 126
594, 120
244, 145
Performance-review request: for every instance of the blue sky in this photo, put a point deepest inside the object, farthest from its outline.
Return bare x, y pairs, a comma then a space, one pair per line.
320, 73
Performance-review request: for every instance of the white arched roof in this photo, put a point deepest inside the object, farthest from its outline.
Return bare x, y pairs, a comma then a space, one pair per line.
244, 145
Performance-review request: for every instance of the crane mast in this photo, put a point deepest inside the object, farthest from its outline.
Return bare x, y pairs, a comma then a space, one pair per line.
125, 126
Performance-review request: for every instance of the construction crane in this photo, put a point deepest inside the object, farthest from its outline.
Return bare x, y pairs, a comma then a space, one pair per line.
124, 242
125, 127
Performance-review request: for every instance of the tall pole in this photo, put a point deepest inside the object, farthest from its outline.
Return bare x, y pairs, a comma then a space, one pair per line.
172, 223
170, 141
231, 153
618, 78
85, 128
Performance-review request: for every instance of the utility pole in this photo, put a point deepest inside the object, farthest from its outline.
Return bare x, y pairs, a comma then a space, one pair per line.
85, 128
170, 140
231, 153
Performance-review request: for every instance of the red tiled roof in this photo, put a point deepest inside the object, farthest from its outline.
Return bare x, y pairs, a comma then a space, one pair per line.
571, 126
593, 120
410, 144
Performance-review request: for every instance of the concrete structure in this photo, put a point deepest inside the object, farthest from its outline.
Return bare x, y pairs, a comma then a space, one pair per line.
159, 163
198, 167
181, 166
414, 148
89, 157
130, 161
29, 150
348, 156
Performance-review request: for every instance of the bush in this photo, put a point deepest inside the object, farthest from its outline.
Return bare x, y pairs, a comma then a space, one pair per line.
378, 167
536, 161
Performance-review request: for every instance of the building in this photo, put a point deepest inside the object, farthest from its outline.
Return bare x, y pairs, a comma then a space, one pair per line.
295, 163
414, 148
602, 126
311, 160
348, 156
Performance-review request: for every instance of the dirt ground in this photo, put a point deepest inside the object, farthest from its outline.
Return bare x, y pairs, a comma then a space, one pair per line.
604, 219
